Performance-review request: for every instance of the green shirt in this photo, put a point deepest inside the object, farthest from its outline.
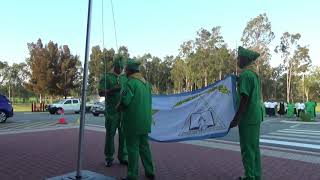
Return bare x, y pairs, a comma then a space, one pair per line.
249, 85
108, 81
137, 101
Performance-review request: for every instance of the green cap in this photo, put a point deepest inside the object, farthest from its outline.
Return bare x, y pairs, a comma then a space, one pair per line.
132, 64
251, 55
118, 61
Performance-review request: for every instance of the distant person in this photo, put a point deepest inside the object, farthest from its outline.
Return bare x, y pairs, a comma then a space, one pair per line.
315, 107
109, 88
310, 108
136, 103
273, 106
301, 107
249, 114
267, 107
296, 110
290, 110
282, 109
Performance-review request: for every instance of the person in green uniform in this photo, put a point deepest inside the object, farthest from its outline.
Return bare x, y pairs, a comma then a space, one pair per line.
250, 114
290, 110
136, 104
109, 87
315, 107
310, 109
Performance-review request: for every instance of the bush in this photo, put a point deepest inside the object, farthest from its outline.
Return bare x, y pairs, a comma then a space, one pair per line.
305, 117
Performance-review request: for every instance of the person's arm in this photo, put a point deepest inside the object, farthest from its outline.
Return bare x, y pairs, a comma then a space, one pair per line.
245, 87
242, 108
108, 92
126, 97
105, 89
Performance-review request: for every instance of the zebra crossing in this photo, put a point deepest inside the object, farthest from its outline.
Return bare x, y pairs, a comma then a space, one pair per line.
20, 126
293, 138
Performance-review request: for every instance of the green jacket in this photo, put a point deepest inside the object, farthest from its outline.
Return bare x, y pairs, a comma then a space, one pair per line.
137, 101
249, 84
108, 81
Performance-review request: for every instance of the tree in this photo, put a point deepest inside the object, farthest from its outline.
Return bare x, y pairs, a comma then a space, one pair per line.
3, 71
178, 74
296, 59
95, 69
17, 75
38, 64
257, 36
312, 85
53, 70
68, 72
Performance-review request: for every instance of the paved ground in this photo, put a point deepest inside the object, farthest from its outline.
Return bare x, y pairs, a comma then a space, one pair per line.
275, 132
47, 153
33, 146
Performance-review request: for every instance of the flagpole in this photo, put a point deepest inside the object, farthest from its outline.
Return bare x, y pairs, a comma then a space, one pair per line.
84, 95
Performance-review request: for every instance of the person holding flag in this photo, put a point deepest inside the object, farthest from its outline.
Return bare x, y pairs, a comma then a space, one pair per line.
109, 87
249, 114
136, 103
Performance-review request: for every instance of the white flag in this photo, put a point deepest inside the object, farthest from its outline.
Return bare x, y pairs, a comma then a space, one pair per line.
200, 114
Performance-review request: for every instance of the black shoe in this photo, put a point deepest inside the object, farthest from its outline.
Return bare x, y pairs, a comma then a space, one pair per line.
150, 176
124, 178
124, 162
108, 163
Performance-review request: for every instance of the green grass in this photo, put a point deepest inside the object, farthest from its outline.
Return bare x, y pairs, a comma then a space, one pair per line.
22, 107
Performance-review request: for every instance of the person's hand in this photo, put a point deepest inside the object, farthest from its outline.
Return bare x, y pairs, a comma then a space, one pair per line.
119, 107
234, 122
110, 93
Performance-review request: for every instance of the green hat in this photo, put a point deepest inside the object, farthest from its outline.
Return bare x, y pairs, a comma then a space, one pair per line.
251, 55
118, 61
132, 64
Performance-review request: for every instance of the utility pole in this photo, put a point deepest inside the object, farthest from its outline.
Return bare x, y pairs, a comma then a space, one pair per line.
65, 84
304, 90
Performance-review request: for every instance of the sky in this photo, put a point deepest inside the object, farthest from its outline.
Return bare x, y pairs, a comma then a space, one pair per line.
145, 26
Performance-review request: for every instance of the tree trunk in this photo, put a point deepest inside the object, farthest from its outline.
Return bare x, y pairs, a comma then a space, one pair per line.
307, 95
9, 92
288, 85
186, 83
206, 80
40, 98
236, 70
220, 75
290, 89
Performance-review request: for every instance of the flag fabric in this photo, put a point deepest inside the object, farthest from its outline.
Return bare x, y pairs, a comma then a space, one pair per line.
201, 114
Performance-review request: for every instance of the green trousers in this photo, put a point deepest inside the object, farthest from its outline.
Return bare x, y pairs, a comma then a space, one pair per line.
290, 112
138, 145
112, 124
250, 150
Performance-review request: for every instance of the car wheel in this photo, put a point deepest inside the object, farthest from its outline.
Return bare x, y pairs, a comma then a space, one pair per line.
3, 117
52, 110
95, 114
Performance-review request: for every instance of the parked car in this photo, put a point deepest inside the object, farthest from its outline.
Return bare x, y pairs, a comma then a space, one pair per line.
6, 109
68, 105
98, 108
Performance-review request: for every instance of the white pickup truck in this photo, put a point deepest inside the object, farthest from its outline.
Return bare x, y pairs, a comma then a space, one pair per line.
68, 105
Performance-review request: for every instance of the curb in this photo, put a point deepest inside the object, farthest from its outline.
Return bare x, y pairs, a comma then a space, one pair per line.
299, 122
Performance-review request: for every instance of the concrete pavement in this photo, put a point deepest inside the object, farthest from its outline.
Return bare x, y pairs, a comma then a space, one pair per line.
43, 154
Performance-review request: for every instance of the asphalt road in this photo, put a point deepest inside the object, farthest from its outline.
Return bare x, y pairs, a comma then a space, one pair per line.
45, 116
